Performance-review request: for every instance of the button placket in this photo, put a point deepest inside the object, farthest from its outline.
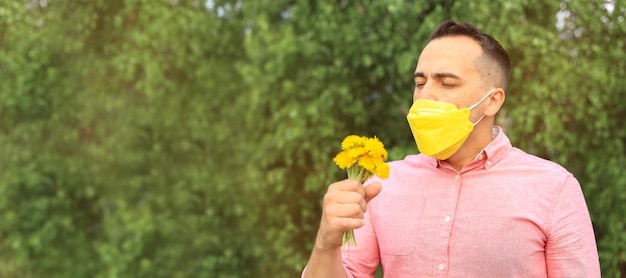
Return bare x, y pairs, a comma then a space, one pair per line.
444, 231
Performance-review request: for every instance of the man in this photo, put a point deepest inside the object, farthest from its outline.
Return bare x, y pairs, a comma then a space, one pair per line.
470, 205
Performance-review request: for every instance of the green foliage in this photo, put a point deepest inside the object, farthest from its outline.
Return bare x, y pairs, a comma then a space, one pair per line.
112, 136
189, 139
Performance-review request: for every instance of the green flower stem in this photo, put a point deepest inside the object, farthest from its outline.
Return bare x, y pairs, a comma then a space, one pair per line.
358, 173
348, 239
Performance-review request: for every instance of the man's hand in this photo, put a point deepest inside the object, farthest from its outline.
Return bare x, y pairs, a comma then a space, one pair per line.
344, 205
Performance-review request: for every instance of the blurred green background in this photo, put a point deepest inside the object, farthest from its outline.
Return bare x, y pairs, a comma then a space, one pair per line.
174, 138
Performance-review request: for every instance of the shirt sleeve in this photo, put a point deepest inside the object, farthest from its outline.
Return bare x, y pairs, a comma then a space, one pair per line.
571, 247
363, 259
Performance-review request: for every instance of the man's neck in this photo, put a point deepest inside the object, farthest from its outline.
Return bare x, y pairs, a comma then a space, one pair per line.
480, 137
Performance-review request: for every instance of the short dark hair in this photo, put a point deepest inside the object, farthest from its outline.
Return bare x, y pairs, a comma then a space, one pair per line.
489, 45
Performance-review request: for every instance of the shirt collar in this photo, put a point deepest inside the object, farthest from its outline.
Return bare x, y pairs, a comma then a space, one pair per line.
497, 149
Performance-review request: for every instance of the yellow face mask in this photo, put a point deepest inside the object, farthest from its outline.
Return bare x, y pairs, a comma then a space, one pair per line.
440, 128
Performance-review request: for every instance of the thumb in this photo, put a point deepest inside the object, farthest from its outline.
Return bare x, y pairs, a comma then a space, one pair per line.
372, 190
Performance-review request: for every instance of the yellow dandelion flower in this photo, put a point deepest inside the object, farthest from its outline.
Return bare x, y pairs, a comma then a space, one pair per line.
344, 160
382, 170
356, 152
375, 148
367, 162
352, 141
363, 157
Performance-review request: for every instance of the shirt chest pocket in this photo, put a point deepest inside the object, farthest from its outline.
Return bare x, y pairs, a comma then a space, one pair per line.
397, 227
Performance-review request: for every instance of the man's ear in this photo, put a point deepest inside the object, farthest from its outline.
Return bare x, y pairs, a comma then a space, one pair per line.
495, 101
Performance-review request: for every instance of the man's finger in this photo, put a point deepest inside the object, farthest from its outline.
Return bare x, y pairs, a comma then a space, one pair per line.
372, 190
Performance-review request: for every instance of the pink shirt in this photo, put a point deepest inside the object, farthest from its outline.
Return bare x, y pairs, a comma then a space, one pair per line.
507, 214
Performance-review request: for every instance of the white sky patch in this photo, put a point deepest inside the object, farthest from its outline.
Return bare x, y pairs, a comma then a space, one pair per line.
209, 4
609, 6
560, 18
222, 11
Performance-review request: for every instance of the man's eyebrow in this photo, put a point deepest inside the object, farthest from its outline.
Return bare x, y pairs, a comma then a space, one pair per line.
437, 75
446, 75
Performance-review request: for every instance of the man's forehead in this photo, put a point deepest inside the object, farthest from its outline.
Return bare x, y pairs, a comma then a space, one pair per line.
449, 54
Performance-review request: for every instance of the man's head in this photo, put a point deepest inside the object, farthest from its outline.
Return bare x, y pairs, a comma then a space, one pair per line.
460, 65
494, 62
469, 69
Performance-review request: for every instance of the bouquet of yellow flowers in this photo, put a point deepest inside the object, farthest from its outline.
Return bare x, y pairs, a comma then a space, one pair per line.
363, 158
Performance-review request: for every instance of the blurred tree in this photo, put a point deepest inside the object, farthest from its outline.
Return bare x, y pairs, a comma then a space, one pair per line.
178, 138
114, 138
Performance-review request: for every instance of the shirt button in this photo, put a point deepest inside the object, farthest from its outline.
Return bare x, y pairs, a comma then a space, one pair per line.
488, 162
457, 177
441, 267
447, 219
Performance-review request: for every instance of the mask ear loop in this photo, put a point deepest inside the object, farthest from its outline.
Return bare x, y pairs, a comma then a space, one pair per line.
481, 117
482, 99
479, 102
